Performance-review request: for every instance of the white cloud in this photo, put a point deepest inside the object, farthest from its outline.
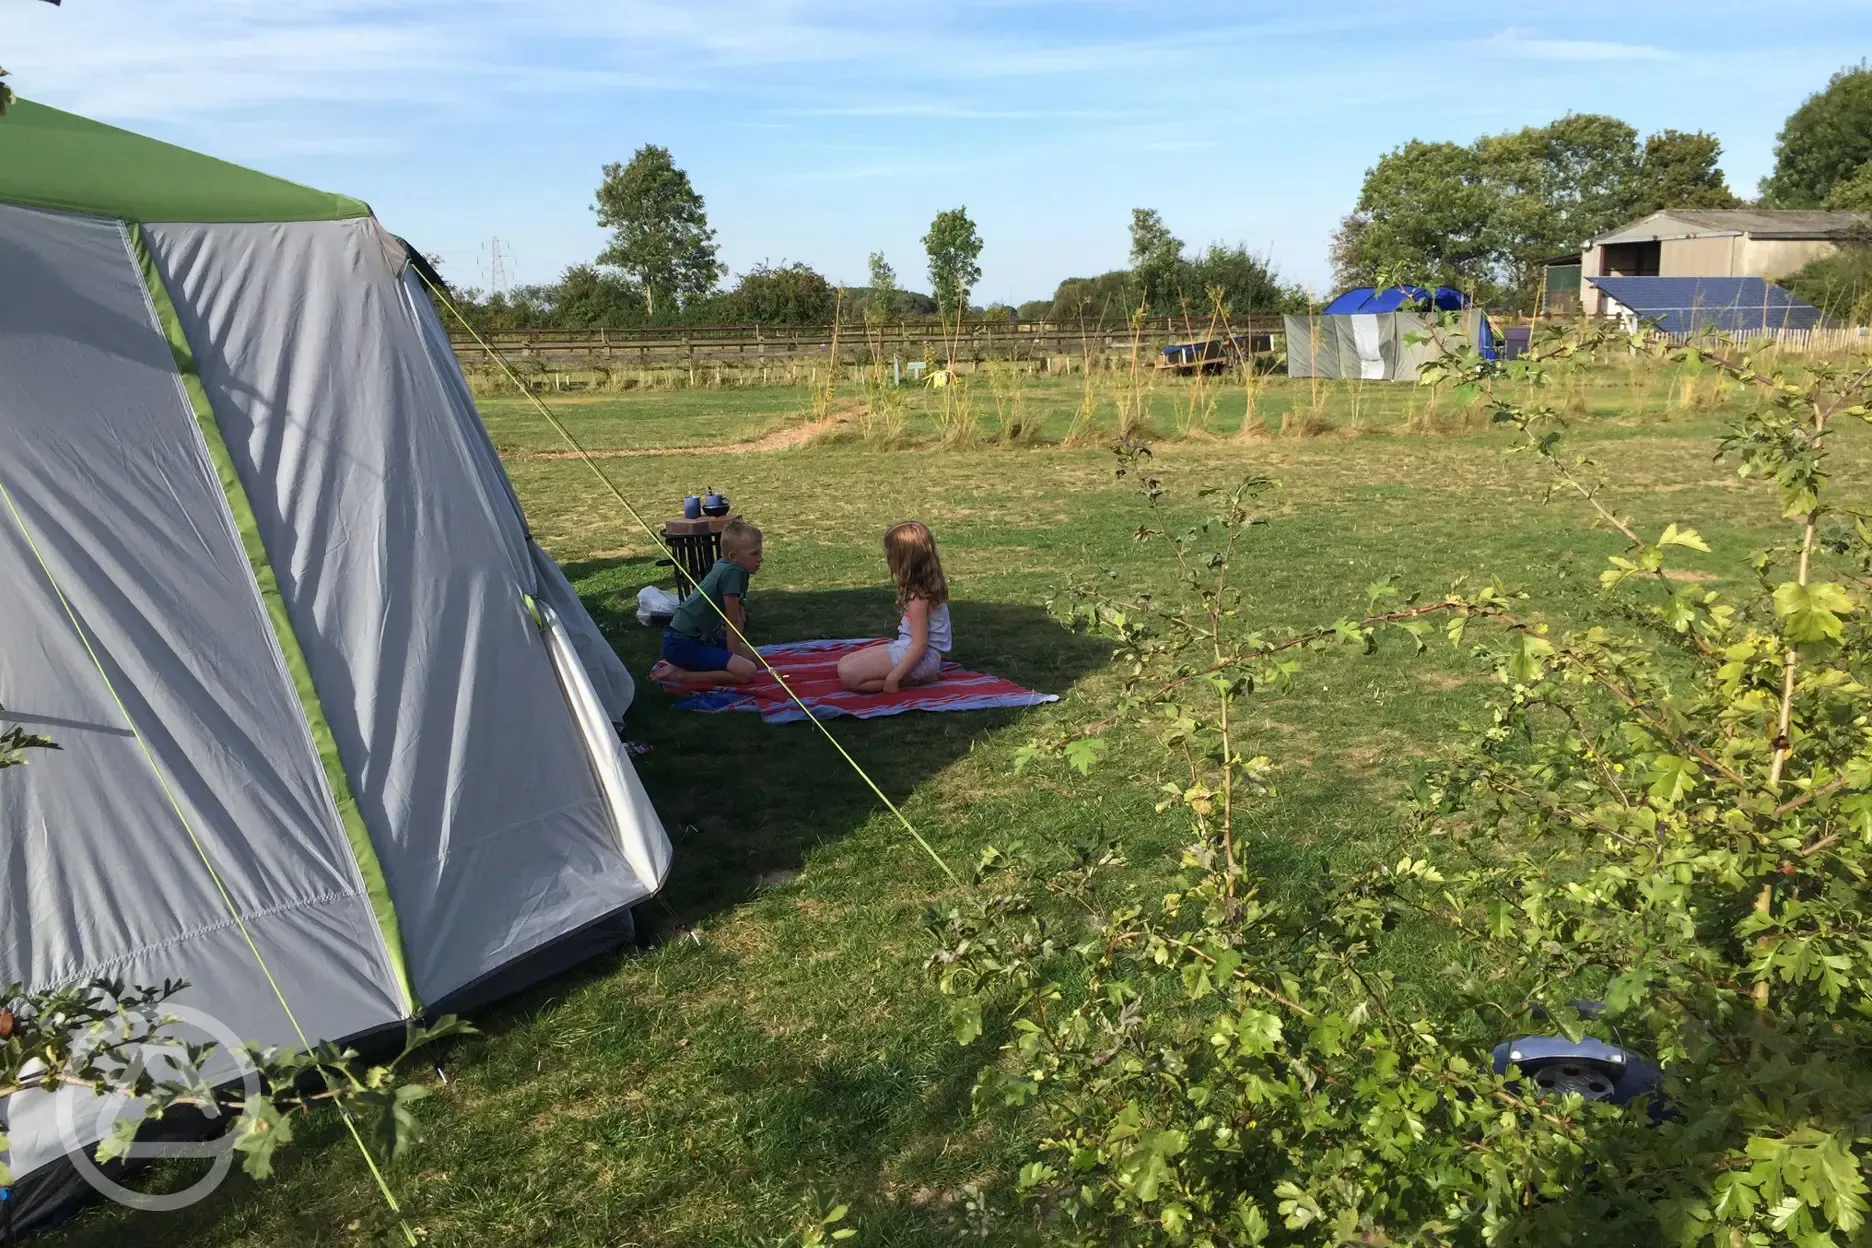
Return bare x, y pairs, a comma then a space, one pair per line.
1525, 45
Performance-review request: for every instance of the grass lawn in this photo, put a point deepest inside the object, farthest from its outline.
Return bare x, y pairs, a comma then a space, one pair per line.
778, 1043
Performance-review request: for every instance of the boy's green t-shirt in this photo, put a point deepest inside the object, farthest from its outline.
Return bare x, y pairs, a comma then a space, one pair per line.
696, 618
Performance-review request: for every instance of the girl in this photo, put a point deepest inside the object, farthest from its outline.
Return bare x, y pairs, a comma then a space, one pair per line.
923, 636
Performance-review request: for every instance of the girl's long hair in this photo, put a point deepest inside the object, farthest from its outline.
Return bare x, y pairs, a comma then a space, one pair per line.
910, 550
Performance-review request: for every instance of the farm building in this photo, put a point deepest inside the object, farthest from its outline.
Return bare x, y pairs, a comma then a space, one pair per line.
1710, 243
1686, 305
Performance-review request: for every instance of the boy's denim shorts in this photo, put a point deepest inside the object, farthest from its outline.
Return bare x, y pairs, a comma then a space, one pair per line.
694, 656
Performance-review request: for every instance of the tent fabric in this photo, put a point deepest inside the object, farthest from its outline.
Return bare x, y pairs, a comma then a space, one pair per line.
406, 579
54, 159
608, 676
331, 664
1366, 299
606, 671
1686, 305
267, 584
1365, 346
1312, 346
1330, 346
114, 490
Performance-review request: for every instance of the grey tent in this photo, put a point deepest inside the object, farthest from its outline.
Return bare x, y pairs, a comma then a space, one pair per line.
267, 586
1370, 346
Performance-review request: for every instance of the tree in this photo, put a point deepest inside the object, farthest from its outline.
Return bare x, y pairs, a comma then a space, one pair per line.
1156, 259
1556, 186
1246, 284
1840, 285
883, 304
954, 247
793, 294
1486, 216
1106, 298
1854, 194
661, 237
1679, 170
1426, 213
589, 298
1823, 142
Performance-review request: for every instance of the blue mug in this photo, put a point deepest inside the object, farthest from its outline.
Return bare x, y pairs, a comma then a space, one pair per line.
692, 508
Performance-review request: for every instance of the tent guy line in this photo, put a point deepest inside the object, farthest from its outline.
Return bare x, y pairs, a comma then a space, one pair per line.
656, 538
201, 850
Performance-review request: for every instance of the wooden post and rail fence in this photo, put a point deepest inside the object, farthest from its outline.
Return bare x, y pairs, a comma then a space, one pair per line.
757, 346
907, 341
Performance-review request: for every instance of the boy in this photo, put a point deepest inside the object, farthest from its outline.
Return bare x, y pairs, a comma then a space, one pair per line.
698, 649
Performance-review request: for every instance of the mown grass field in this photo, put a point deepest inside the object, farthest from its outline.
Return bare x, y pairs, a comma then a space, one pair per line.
1053, 409
778, 1043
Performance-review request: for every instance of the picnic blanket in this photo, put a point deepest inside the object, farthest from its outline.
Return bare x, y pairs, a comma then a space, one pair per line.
811, 671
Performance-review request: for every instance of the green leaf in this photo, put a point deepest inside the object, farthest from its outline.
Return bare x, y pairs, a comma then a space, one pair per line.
261, 1131
122, 1135
1811, 613
396, 1127
1084, 753
1147, 1169
1672, 778
1674, 536
1527, 657
1033, 1174
965, 1018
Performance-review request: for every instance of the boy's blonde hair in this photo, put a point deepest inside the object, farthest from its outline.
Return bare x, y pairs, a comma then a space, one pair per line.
738, 534
910, 550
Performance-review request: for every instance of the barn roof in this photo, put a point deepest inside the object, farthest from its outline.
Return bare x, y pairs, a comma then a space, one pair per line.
1789, 223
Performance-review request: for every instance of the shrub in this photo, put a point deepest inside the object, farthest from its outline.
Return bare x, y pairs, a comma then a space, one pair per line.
1670, 815
1840, 285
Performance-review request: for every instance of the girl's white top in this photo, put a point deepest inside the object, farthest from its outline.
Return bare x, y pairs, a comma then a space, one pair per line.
939, 637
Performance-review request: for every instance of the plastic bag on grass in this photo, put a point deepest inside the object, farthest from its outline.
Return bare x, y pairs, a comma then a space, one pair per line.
655, 605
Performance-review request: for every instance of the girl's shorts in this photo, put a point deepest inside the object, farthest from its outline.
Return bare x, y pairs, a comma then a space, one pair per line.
926, 668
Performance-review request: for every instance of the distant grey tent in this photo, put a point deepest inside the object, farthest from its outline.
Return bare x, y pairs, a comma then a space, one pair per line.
1365, 334
246, 474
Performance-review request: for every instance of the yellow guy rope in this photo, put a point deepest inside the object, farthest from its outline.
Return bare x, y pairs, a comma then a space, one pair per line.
200, 849
655, 537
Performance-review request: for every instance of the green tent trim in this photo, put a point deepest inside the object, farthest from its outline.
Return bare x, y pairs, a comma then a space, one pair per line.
57, 160
376, 887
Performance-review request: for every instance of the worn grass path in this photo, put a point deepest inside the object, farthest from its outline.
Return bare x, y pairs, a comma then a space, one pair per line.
779, 1043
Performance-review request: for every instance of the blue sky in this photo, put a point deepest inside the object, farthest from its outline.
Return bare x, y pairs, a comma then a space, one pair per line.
821, 131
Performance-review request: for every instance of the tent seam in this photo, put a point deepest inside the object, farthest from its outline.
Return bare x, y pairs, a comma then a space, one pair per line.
92, 969
265, 583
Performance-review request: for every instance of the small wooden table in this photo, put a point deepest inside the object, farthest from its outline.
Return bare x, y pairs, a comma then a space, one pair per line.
695, 546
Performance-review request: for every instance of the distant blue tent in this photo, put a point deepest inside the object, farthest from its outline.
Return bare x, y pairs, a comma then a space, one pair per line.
1728, 305
1366, 299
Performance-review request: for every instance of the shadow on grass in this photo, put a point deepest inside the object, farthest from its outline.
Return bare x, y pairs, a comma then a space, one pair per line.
743, 800
745, 804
